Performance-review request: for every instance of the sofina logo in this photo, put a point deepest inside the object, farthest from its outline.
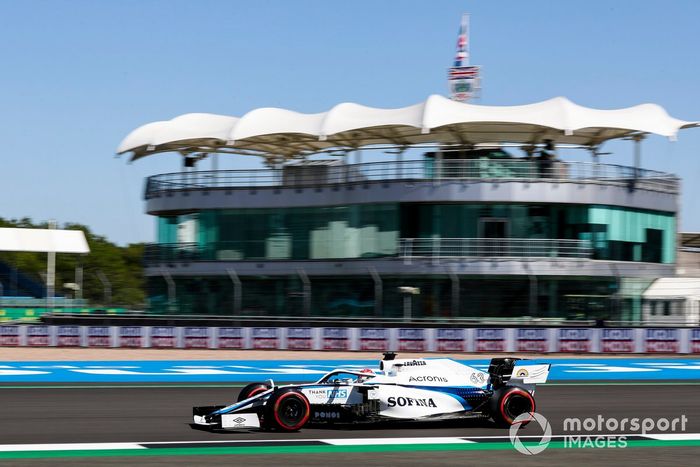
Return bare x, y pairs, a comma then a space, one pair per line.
530, 449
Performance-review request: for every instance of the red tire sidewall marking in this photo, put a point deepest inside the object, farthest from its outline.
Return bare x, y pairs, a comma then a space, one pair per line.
277, 405
505, 398
256, 391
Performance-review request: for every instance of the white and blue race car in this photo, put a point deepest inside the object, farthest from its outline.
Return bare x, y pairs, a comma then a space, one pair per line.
403, 389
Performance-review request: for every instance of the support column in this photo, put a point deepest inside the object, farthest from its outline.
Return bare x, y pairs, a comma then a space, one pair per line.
106, 287
237, 291
637, 158
407, 312
79, 278
553, 298
638, 151
438, 168
13, 280
50, 272
171, 290
617, 296
532, 303
532, 293
399, 164
455, 294
306, 291
378, 292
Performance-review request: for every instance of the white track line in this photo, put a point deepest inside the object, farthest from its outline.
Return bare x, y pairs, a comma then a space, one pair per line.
234, 441
68, 447
384, 441
674, 436
334, 442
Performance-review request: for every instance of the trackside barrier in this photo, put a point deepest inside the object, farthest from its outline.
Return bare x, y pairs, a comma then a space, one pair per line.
486, 340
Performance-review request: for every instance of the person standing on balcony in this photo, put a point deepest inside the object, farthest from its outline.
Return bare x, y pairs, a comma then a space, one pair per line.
546, 159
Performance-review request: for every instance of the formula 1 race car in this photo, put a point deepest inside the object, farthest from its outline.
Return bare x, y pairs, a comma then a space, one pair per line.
403, 389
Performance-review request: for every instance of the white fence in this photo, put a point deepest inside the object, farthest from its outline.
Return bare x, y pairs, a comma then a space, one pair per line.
486, 340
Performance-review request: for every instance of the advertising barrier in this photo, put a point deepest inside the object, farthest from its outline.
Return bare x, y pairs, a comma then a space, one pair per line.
578, 340
451, 340
374, 339
99, 336
163, 337
131, 336
695, 341
9, 336
532, 340
196, 337
617, 340
661, 341
230, 338
490, 340
335, 339
300, 339
38, 336
266, 338
412, 340
68, 336
483, 340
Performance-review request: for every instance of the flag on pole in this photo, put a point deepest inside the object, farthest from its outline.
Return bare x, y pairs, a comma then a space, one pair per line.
463, 78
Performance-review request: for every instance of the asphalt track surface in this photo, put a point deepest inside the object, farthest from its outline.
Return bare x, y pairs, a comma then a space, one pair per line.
157, 413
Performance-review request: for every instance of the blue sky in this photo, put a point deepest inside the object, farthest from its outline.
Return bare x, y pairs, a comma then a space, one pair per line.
78, 75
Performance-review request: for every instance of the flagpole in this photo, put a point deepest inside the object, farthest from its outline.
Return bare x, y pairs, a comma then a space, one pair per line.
462, 77
465, 19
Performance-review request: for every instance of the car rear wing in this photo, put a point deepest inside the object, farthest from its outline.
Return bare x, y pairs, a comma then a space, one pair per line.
530, 373
512, 371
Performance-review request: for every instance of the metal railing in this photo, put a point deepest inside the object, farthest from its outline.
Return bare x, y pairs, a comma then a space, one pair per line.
178, 252
270, 249
406, 248
300, 175
155, 319
494, 248
30, 302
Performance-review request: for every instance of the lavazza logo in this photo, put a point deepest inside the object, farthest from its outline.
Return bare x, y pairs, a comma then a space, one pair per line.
591, 432
414, 363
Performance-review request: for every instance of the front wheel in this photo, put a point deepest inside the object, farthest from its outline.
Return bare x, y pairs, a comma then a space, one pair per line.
251, 390
509, 402
287, 410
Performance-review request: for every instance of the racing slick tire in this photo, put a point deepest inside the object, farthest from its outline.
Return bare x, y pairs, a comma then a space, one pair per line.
508, 402
286, 410
251, 390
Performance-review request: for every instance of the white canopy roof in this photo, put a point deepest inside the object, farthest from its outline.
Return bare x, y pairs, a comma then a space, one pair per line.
43, 240
673, 287
277, 132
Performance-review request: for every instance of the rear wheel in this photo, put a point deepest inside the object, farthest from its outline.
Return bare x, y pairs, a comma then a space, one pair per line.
287, 410
509, 402
252, 390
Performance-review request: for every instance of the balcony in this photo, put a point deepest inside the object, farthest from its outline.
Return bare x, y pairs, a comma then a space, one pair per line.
467, 170
406, 249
